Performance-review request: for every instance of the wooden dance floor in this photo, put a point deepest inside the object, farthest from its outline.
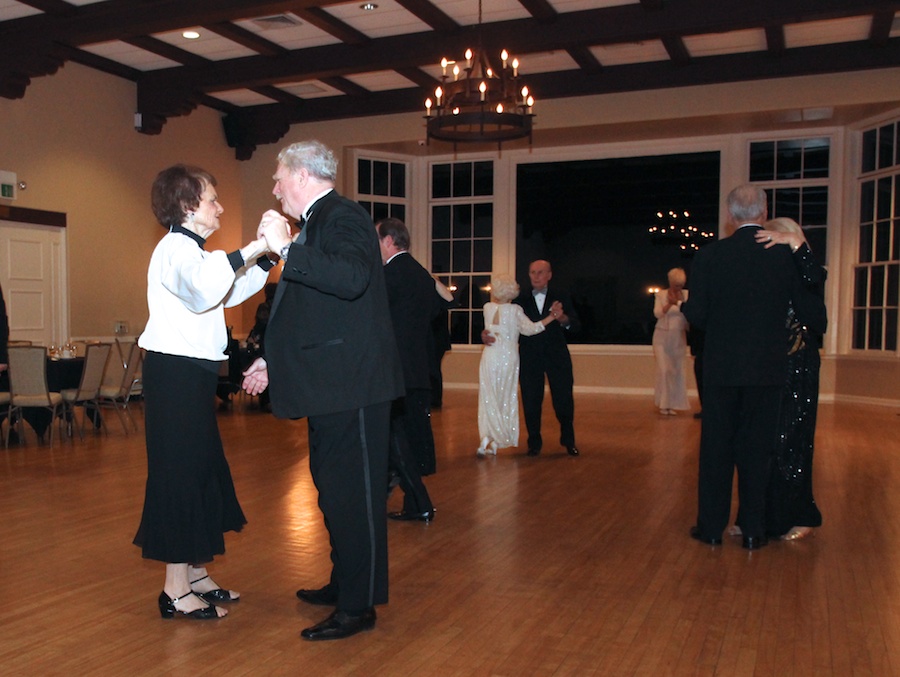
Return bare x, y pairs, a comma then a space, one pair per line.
533, 566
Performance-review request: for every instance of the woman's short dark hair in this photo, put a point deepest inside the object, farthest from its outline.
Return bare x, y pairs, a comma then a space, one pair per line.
177, 191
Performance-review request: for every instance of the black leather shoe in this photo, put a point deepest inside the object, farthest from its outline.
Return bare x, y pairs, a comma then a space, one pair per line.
326, 596
340, 624
697, 535
755, 542
572, 451
533, 452
404, 516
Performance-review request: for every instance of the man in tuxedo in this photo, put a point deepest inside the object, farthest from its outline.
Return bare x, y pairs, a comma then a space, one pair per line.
414, 300
740, 293
330, 356
547, 354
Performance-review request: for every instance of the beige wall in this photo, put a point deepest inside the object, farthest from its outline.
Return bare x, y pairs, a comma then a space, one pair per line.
71, 138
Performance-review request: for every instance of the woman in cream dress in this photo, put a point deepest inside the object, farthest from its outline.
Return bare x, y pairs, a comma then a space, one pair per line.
670, 345
498, 378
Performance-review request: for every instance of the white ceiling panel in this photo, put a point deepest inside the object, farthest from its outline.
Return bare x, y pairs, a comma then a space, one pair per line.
209, 45
129, 55
630, 52
733, 42
381, 81
242, 97
826, 32
388, 19
310, 89
287, 30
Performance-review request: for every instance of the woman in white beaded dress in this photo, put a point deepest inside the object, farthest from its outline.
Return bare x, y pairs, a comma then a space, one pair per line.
670, 345
498, 377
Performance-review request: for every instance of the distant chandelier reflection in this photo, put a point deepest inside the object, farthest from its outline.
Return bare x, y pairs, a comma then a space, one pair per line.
476, 102
676, 228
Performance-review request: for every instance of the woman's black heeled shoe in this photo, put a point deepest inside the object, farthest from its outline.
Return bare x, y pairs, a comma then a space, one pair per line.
217, 595
167, 608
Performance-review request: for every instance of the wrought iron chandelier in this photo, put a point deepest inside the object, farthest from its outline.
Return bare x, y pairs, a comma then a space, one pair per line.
476, 102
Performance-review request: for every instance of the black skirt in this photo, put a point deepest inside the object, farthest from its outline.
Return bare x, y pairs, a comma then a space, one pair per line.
189, 500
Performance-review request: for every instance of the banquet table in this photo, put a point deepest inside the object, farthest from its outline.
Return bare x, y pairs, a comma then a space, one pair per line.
61, 375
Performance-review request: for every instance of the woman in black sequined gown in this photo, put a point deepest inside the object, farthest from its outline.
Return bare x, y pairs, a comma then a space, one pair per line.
791, 510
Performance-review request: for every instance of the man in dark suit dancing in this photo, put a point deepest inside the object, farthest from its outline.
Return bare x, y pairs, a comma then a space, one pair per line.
330, 355
547, 353
740, 293
413, 296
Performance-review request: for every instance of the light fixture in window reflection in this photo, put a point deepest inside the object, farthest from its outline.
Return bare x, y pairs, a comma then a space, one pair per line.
676, 228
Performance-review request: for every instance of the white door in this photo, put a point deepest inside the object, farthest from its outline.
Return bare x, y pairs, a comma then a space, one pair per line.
33, 277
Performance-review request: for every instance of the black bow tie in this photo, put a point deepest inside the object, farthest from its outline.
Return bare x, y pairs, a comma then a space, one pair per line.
543, 291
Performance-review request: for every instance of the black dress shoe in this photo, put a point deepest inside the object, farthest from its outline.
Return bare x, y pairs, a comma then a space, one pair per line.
755, 542
404, 516
697, 535
326, 596
340, 624
533, 452
572, 451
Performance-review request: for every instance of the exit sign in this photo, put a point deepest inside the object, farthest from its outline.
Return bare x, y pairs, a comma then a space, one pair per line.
7, 190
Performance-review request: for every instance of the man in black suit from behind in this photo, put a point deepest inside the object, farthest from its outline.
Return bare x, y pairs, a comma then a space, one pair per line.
740, 293
414, 300
547, 354
330, 356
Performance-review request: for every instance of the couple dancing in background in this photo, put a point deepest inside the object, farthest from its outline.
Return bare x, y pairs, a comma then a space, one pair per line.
542, 317
746, 294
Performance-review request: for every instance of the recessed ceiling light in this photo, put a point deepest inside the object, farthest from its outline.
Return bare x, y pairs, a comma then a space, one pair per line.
190, 35
368, 6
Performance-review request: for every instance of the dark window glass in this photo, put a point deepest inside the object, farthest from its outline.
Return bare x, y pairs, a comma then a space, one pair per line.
890, 329
482, 252
484, 178
440, 222
869, 144
364, 177
859, 329
886, 146
440, 181
883, 199
462, 221
815, 158
380, 178
440, 257
876, 286
789, 159
398, 211
787, 203
897, 195
862, 287
817, 238
875, 329
462, 256
882, 240
379, 211
895, 251
762, 161
462, 179
365, 204
483, 222
398, 179
893, 295
867, 202
865, 243
814, 209
459, 327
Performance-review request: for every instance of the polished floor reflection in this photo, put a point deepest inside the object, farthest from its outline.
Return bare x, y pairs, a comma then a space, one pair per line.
533, 566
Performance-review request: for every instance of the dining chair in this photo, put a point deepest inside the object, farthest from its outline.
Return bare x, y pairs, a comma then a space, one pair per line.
88, 391
28, 386
118, 395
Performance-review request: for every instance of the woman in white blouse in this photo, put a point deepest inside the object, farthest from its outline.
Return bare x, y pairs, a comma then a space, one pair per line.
189, 499
670, 345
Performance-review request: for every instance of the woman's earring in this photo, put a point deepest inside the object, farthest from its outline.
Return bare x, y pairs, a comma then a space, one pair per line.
191, 217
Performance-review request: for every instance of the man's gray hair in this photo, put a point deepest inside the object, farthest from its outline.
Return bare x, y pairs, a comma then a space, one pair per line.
314, 156
747, 203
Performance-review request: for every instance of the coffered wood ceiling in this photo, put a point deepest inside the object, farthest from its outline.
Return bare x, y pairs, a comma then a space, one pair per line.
267, 65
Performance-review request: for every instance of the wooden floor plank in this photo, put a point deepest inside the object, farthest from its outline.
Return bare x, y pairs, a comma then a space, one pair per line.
533, 566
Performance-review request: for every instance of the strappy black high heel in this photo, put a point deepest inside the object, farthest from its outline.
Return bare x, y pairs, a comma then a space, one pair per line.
167, 608
217, 595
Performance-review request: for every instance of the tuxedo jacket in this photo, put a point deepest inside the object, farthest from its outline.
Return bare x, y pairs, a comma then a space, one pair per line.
414, 303
740, 296
550, 346
329, 343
